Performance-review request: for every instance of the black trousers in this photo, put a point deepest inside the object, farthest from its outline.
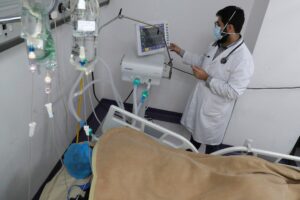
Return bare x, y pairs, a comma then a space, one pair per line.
209, 148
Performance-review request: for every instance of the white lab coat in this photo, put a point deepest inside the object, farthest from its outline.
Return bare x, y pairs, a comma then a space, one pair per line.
210, 105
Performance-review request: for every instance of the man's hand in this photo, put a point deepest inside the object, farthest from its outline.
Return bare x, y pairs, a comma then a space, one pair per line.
175, 48
200, 73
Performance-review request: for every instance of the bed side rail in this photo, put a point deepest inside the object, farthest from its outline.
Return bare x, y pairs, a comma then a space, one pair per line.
249, 149
117, 117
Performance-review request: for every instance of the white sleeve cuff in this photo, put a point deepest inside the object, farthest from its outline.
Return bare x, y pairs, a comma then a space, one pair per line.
182, 52
207, 82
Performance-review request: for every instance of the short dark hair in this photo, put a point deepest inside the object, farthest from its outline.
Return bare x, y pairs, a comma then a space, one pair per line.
237, 20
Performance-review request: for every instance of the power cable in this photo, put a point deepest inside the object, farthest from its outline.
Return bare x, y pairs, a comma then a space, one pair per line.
128, 96
275, 88
182, 71
94, 91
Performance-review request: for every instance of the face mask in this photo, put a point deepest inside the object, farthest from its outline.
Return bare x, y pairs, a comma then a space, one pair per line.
217, 32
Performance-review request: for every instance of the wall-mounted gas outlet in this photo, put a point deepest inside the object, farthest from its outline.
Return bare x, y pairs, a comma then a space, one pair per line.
9, 31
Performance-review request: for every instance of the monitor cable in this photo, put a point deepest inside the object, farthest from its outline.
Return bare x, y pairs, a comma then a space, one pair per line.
94, 90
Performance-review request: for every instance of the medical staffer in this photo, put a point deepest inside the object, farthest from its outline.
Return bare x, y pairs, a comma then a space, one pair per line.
224, 73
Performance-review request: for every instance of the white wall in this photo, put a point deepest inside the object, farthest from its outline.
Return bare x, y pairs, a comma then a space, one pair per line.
271, 117
255, 21
190, 25
16, 95
277, 51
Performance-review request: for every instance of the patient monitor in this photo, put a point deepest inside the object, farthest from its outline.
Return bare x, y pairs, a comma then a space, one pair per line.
147, 63
151, 39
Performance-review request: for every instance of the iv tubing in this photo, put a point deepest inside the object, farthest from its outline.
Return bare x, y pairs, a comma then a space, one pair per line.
139, 108
86, 87
93, 108
72, 92
135, 109
79, 110
142, 103
70, 100
115, 91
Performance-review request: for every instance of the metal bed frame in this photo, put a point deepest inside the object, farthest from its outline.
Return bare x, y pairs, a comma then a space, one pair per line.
117, 117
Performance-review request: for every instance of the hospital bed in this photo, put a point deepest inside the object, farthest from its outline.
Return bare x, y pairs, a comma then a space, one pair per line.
131, 148
117, 117
136, 159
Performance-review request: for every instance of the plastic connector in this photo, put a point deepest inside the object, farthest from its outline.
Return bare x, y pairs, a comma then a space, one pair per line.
31, 55
31, 48
54, 14
82, 53
48, 79
31, 52
48, 88
32, 68
136, 82
49, 110
32, 127
145, 95
83, 61
82, 123
88, 131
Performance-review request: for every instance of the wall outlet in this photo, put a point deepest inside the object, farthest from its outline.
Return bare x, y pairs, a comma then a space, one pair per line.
9, 31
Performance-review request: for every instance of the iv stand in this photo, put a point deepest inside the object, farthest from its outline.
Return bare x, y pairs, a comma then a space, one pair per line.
121, 16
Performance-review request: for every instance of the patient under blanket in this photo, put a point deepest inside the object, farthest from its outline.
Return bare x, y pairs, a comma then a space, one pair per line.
128, 164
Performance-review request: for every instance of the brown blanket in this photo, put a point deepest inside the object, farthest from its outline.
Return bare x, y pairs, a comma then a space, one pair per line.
130, 165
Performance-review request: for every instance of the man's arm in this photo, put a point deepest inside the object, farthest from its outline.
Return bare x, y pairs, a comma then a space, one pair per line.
188, 58
237, 84
192, 59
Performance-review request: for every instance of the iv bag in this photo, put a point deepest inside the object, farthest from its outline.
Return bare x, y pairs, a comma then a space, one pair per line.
85, 21
36, 32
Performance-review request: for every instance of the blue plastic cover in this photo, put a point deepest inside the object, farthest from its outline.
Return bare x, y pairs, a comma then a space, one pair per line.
78, 160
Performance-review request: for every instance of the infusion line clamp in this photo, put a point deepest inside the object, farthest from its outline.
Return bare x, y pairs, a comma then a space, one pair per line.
32, 127
49, 110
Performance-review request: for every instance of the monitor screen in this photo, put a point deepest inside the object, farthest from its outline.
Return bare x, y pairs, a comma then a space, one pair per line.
151, 39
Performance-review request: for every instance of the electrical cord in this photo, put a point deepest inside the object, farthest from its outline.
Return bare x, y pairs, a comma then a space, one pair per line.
251, 88
128, 96
266, 88
182, 71
172, 67
94, 91
275, 88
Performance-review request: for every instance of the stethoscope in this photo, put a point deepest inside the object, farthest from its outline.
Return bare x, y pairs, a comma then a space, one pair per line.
224, 59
